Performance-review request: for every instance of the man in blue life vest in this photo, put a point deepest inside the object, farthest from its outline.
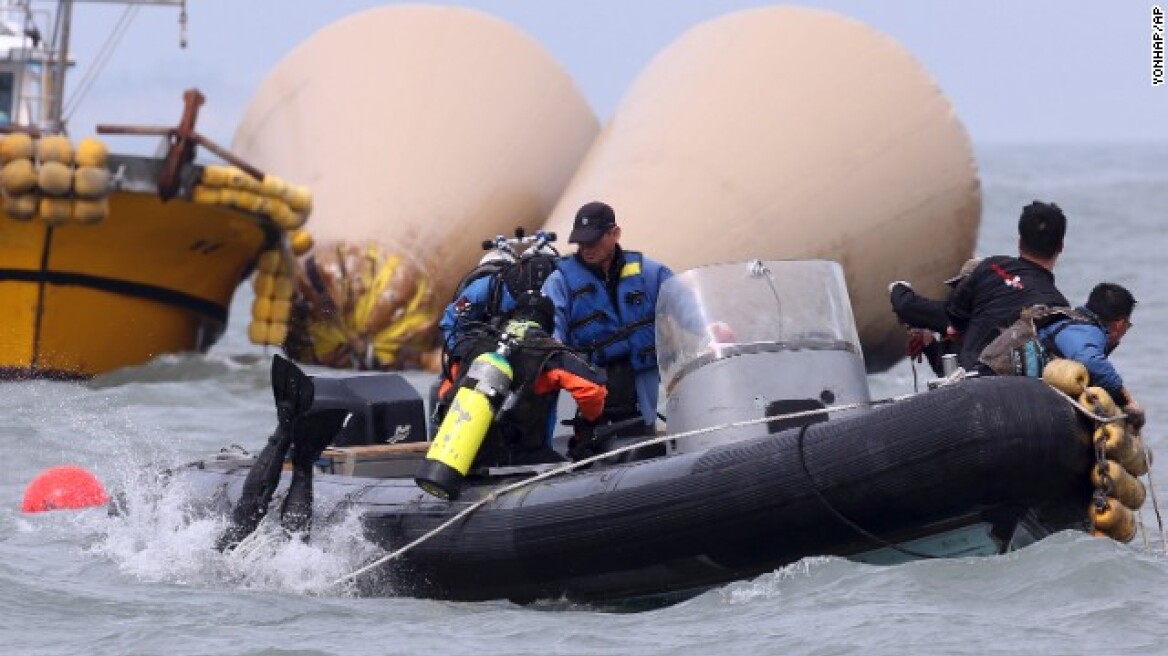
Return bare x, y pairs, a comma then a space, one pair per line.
1091, 335
605, 298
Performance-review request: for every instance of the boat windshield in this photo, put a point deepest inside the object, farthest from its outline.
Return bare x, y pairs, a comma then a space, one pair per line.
725, 310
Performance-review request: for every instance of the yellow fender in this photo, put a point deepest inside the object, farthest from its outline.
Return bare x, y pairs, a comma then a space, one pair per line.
231, 177
206, 195
271, 261
300, 241
257, 333
1067, 376
299, 198
248, 201
55, 148
273, 187
264, 284
91, 182
17, 145
92, 153
277, 333
214, 176
55, 211
22, 207
89, 212
265, 333
1097, 396
1126, 488
1137, 463
1117, 443
279, 311
285, 217
55, 179
1114, 520
283, 287
18, 176
261, 309
271, 310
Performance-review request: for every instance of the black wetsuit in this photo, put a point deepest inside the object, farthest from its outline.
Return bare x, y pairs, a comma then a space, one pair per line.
992, 297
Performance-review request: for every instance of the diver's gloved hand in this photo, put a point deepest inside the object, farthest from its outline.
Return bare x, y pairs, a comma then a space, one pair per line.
581, 445
892, 285
1135, 415
915, 346
918, 340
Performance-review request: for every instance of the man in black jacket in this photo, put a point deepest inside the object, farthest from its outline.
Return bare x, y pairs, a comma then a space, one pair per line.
926, 319
992, 297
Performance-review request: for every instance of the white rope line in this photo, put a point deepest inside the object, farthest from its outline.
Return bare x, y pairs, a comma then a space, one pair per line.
1089, 412
1144, 532
1155, 499
494, 495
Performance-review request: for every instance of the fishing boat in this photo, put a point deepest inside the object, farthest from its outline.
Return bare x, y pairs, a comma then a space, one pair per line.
109, 260
775, 451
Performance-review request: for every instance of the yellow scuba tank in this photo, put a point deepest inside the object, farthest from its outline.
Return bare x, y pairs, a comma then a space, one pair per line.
484, 389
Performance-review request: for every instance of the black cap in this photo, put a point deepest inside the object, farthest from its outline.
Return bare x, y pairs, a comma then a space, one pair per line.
592, 221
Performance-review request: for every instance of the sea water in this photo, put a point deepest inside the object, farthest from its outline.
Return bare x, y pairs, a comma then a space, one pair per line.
149, 583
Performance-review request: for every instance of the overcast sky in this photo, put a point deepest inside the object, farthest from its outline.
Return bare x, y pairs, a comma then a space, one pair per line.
1015, 71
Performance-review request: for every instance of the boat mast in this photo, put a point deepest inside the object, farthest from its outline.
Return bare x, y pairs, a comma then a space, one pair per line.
55, 121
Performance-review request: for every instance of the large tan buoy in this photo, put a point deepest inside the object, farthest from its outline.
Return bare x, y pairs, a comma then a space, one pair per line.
785, 132
421, 130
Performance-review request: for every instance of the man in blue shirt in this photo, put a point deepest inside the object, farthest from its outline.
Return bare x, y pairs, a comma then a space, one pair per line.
605, 300
1091, 337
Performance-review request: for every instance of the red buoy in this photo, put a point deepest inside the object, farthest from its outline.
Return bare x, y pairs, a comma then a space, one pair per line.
60, 488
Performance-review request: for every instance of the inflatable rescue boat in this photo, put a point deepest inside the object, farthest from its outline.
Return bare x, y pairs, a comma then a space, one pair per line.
774, 452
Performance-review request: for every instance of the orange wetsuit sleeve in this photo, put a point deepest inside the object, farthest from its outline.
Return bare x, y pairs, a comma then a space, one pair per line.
582, 382
448, 383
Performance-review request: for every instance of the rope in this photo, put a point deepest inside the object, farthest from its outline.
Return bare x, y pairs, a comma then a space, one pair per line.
100, 61
1155, 500
494, 495
1144, 532
840, 516
1088, 412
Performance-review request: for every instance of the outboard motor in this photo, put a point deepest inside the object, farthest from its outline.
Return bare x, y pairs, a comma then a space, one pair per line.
385, 407
738, 342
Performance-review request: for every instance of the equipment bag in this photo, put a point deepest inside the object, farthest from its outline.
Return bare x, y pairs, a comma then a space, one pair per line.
1018, 350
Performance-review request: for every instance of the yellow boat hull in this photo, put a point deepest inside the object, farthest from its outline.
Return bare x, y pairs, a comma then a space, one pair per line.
152, 278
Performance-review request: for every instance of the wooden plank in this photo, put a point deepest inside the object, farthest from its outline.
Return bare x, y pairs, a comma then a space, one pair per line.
374, 450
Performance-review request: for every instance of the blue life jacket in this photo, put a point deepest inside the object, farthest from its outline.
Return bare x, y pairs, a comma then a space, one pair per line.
605, 333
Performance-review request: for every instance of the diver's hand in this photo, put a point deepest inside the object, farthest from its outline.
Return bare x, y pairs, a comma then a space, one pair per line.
918, 340
892, 285
1135, 415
